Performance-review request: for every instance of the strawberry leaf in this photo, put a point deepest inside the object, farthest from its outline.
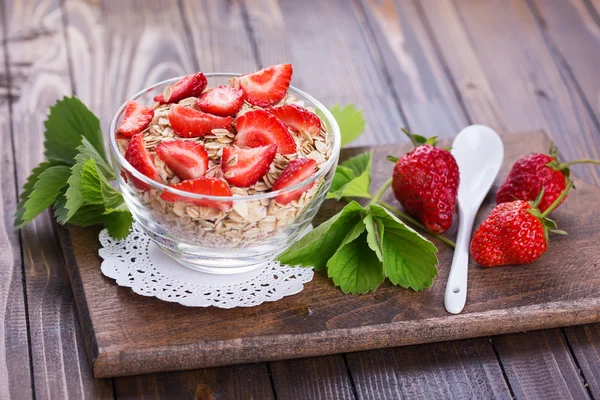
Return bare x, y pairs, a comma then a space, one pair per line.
409, 260
352, 178
350, 120
319, 245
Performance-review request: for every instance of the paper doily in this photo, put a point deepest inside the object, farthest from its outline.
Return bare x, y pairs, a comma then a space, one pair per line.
137, 262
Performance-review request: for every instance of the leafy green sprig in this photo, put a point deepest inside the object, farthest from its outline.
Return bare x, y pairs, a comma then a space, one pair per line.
362, 245
75, 178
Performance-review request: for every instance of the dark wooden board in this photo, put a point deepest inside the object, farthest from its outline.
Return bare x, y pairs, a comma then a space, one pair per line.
130, 334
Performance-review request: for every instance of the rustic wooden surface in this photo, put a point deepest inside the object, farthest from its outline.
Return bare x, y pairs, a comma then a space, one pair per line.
558, 290
432, 65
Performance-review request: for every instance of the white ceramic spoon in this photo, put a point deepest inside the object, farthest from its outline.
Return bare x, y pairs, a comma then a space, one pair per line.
479, 152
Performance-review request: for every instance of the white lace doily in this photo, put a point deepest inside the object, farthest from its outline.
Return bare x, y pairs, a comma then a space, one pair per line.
137, 262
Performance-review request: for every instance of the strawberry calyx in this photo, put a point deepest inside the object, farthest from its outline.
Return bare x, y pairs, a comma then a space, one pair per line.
548, 224
555, 164
418, 140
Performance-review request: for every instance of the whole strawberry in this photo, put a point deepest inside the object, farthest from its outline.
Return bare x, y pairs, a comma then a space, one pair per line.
515, 232
425, 181
532, 173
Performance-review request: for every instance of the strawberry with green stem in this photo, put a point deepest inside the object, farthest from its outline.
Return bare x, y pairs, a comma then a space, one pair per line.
536, 171
516, 232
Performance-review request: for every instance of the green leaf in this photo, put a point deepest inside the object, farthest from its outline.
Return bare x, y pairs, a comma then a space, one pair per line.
319, 245
393, 159
118, 223
352, 178
90, 185
409, 260
73, 197
355, 268
87, 150
68, 121
350, 120
372, 239
27, 189
46, 189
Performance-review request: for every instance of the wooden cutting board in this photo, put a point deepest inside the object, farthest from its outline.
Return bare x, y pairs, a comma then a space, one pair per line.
128, 334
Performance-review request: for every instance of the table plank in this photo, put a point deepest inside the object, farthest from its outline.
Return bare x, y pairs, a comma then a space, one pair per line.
545, 357
15, 373
585, 341
39, 74
249, 381
450, 370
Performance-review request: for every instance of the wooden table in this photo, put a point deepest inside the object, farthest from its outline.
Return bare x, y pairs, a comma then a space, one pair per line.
431, 65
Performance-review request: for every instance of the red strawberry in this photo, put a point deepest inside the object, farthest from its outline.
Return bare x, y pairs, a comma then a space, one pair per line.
137, 118
259, 128
296, 171
425, 181
515, 232
202, 185
267, 86
532, 173
222, 101
188, 86
139, 158
187, 159
189, 123
244, 167
297, 118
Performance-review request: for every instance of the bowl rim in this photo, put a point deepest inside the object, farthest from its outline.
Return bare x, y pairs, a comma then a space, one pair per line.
335, 131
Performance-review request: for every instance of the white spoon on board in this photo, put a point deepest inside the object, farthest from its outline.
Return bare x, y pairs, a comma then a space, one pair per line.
479, 153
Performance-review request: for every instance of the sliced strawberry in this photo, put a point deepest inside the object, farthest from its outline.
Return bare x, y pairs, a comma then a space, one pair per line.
187, 159
244, 167
296, 171
267, 86
139, 158
223, 101
137, 118
259, 128
202, 185
297, 118
188, 122
188, 86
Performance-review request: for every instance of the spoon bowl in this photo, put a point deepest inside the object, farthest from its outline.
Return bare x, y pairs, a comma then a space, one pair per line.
479, 153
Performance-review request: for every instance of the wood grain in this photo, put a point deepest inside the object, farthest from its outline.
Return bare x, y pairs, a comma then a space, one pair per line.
585, 341
322, 378
540, 296
39, 74
451, 370
234, 382
332, 57
417, 76
15, 373
560, 381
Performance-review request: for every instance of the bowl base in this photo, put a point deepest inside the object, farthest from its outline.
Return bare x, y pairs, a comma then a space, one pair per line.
221, 270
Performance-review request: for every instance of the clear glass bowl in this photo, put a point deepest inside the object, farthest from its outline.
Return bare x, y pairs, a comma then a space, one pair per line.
200, 237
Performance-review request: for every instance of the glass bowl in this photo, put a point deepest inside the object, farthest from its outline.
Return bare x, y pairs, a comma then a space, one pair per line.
248, 231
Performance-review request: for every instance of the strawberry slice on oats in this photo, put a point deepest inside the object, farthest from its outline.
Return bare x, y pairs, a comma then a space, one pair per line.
267, 86
187, 159
137, 118
244, 167
189, 123
259, 128
223, 101
188, 86
139, 158
296, 171
202, 185
297, 118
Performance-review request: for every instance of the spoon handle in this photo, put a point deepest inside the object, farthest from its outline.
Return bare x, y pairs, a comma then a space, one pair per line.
456, 288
